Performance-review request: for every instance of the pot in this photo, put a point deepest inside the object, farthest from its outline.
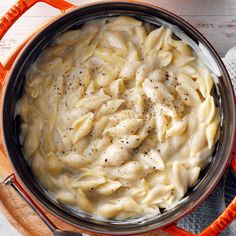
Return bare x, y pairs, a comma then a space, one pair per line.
12, 79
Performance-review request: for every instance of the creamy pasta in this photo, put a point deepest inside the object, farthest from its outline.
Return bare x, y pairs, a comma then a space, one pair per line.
118, 118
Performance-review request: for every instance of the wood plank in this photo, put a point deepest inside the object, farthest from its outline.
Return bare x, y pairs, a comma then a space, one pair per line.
219, 30
199, 7
181, 7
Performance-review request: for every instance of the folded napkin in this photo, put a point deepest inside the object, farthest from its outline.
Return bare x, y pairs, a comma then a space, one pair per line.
224, 192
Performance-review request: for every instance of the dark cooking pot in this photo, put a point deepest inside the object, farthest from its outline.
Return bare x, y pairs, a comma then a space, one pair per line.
12, 76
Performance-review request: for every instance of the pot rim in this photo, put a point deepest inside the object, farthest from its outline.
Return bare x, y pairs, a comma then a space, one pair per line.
54, 209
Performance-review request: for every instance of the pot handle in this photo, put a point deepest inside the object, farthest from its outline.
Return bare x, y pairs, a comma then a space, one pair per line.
12, 181
10, 17
214, 229
220, 223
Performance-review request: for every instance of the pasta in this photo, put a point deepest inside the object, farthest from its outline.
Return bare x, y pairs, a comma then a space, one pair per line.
118, 119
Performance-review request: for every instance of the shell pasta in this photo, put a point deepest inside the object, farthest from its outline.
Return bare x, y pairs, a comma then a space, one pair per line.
118, 118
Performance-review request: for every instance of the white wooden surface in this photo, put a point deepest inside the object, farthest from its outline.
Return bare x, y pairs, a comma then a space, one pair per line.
215, 19
6, 229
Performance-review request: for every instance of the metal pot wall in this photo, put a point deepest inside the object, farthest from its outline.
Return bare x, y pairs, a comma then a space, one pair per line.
12, 76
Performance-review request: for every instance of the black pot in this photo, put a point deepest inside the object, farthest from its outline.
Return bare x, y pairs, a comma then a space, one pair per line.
10, 123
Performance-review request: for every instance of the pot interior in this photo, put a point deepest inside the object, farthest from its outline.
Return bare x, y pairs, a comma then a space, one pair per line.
11, 124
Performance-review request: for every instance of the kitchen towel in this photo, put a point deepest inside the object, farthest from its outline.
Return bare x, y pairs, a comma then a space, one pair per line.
224, 192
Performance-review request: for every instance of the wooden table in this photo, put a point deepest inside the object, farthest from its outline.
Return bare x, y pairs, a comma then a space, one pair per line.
215, 19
